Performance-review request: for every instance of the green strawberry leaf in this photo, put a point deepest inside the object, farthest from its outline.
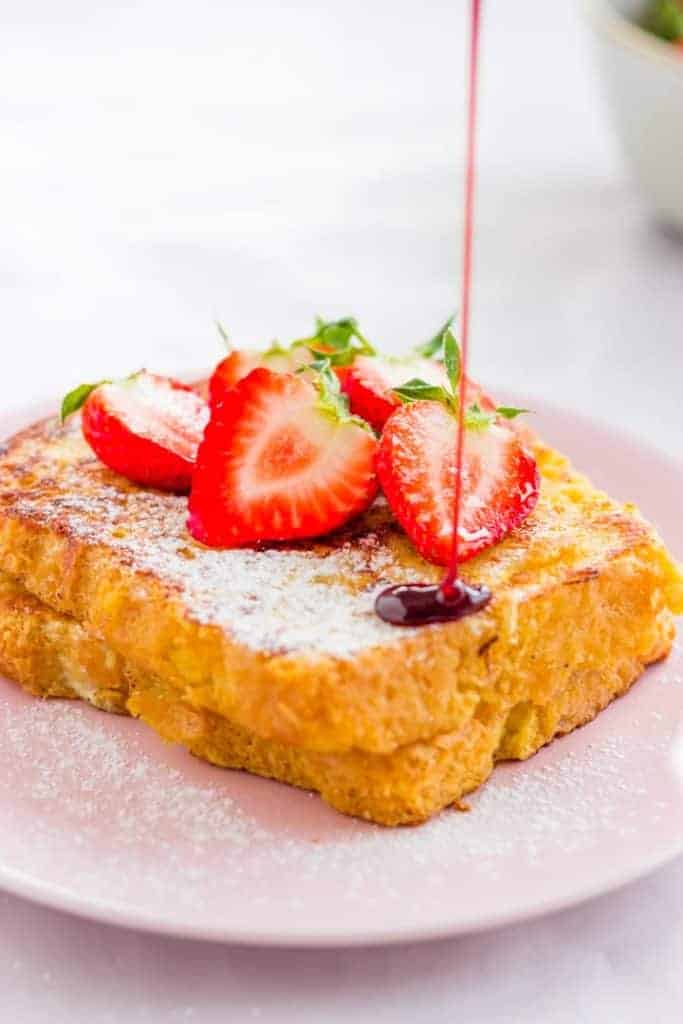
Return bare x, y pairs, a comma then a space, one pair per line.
224, 335
451, 358
508, 412
341, 357
477, 419
331, 401
336, 334
72, 402
340, 340
664, 18
417, 390
430, 349
276, 349
319, 365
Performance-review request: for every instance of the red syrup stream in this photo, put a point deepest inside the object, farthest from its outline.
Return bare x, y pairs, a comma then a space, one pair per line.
416, 604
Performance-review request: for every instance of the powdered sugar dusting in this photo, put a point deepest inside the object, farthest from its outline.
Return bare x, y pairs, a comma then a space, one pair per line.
273, 599
89, 770
279, 599
96, 806
315, 598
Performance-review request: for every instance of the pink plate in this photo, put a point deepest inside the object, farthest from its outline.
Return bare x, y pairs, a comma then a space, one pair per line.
101, 819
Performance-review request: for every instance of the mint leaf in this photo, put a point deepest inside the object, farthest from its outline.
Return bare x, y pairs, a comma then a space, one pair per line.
276, 349
331, 401
341, 357
664, 18
451, 358
356, 339
330, 395
224, 334
336, 334
429, 349
477, 419
72, 402
508, 412
319, 365
341, 340
417, 390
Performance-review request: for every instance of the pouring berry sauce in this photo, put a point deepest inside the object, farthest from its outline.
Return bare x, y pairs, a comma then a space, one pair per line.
415, 604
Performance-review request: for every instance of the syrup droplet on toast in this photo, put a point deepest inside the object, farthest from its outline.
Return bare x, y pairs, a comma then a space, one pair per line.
419, 604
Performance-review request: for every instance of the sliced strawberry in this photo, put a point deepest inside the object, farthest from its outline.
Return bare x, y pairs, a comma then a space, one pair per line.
231, 370
416, 468
235, 367
147, 428
279, 463
370, 381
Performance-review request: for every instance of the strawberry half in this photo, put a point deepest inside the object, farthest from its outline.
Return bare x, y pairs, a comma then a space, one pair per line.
416, 468
370, 381
236, 366
280, 460
147, 428
340, 340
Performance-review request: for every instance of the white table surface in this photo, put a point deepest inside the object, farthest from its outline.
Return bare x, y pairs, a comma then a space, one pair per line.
164, 163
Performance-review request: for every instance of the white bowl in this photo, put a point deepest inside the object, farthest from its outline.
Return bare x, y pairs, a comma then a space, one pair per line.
643, 78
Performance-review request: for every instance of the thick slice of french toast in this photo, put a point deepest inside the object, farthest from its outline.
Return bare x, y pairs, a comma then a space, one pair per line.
52, 655
283, 641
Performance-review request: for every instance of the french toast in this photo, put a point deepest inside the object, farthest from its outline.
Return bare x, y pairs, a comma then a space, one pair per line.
51, 655
273, 659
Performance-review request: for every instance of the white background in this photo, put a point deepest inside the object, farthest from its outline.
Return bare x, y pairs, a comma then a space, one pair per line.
164, 163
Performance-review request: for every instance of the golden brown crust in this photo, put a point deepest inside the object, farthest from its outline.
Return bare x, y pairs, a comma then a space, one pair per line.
53, 656
583, 587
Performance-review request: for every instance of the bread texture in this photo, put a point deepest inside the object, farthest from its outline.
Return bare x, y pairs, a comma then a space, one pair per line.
273, 659
51, 655
284, 640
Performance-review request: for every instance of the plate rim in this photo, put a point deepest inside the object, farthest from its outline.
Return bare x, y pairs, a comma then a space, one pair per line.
118, 916
121, 914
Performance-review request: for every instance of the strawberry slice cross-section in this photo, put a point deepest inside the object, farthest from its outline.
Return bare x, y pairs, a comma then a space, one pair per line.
416, 468
279, 461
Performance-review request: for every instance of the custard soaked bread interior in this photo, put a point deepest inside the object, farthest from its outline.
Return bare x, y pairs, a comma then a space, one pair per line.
273, 660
